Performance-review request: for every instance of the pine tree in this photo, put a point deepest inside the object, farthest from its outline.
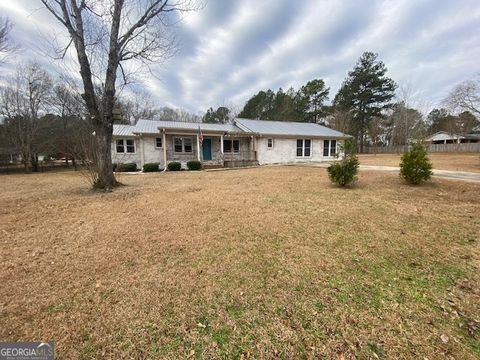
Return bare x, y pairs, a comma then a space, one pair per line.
415, 166
366, 93
311, 100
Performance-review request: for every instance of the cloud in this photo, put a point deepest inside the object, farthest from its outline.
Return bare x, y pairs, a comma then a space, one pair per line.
230, 50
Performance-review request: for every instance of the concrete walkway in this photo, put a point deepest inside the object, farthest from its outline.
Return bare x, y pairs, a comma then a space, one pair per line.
445, 174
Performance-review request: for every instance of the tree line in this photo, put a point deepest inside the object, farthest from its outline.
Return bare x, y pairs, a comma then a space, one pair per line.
368, 106
43, 116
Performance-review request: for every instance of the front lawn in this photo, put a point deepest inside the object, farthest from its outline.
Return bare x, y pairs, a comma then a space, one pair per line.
271, 262
441, 161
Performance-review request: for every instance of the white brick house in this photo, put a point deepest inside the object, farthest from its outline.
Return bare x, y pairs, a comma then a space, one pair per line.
245, 142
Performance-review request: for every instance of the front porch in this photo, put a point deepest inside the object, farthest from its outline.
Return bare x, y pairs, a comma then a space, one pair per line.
216, 150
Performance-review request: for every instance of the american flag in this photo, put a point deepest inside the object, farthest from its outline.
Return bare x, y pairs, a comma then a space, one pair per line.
200, 135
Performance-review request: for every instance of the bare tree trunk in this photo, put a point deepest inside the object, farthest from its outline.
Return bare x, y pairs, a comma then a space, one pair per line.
143, 38
103, 158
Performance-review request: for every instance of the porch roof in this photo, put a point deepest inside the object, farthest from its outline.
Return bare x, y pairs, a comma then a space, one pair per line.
154, 126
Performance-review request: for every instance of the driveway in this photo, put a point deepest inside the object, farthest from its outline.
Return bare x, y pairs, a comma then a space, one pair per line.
445, 174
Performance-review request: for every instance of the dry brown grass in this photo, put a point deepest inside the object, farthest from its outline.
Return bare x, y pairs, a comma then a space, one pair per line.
257, 263
441, 161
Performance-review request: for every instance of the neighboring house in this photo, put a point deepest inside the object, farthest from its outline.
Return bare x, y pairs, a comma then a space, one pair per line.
443, 137
243, 143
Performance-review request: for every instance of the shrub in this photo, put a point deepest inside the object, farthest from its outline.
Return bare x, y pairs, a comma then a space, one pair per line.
194, 165
114, 166
151, 167
174, 166
415, 166
344, 172
127, 167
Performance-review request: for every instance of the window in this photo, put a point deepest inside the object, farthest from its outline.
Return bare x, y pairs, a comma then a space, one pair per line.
300, 147
236, 146
125, 146
182, 145
130, 146
158, 142
269, 143
329, 147
120, 146
333, 147
227, 145
178, 144
187, 145
231, 146
304, 147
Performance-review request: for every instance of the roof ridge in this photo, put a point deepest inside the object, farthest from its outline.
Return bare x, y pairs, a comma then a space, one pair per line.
283, 121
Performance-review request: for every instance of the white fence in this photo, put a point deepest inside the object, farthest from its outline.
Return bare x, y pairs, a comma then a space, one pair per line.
433, 148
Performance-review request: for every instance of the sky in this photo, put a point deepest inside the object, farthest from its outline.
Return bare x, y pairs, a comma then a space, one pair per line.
231, 49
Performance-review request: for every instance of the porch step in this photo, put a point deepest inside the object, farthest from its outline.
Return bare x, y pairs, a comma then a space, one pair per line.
212, 166
240, 163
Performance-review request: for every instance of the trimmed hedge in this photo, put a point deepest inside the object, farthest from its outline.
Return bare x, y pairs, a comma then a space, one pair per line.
194, 165
151, 167
127, 167
174, 166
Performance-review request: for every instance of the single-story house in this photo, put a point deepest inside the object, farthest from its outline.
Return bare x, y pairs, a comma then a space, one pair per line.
443, 137
242, 143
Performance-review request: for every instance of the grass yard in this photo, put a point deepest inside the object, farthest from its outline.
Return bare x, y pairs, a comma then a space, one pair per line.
441, 161
272, 262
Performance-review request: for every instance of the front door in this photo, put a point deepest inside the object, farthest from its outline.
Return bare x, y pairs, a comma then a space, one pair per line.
207, 149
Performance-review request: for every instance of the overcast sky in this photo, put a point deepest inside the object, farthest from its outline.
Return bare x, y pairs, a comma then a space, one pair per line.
232, 49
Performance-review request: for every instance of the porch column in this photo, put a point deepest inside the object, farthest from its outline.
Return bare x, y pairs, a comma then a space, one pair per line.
142, 151
198, 148
164, 143
254, 145
221, 144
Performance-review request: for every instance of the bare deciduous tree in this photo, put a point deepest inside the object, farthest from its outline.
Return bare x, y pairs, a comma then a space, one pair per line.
404, 124
341, 120
465, 97
178, 114
70, 108
6, 45
106, 35
22, 101
375, 131
137, 106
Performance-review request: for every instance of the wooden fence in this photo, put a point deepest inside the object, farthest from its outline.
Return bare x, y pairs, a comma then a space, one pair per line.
433, 148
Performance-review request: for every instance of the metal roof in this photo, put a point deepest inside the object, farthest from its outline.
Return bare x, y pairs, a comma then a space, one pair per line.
443, 135
152, 127
240, 126
287, 128
145, 126
123, 130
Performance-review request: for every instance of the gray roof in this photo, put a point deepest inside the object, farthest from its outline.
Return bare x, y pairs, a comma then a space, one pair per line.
123, 130
152, 127
287, 128
144, 126
245, 126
